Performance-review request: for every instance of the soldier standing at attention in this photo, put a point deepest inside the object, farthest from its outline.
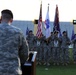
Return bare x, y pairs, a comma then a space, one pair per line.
30, 39
74, 49
46, 53
65, 42
51, 45
42, 48
13, 46
39, 50
56, 51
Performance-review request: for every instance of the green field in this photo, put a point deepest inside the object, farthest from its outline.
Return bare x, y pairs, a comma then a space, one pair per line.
58, 70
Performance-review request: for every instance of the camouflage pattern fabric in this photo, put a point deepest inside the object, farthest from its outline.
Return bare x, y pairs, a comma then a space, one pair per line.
65, 49
74, 49
13, 48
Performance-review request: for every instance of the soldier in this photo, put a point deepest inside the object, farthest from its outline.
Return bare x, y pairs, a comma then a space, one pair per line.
51, 45
65, 49
56, 51
13, 46
74, 49
46, 53
42, 48
39, 50
30, 39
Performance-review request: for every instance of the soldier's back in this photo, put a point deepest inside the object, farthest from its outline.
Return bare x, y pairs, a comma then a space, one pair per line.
9, 43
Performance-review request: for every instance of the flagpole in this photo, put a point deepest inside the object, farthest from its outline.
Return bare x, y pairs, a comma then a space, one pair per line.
40, 1
48, 6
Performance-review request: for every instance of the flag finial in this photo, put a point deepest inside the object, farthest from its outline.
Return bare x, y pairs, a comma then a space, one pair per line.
56, 5
48, 4
41, 1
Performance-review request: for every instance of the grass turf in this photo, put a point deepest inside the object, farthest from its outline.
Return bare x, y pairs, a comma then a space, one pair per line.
58, 70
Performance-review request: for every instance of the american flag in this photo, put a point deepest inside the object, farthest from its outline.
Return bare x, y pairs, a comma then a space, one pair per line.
39, 27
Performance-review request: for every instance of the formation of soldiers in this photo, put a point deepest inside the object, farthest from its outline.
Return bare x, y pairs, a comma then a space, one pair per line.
52, 50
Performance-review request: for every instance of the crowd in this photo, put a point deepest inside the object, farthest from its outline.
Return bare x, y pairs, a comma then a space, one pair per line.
53, 49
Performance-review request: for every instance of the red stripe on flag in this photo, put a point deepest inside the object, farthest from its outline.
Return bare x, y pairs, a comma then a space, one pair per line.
39, 27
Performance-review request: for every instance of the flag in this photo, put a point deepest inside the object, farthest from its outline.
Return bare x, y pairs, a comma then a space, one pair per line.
27, 31
39, 27
73, 35
47, 24
56, 22
60, 34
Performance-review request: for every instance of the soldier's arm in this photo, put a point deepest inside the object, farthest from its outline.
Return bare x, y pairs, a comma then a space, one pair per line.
60, 40
73, 41
23, 49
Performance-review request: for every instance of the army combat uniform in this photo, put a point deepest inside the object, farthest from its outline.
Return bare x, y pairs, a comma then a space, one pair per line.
56, 50
74, 50
30, 39
65, 49
51, 45
42, 48
13, 47
46, 53
38, 49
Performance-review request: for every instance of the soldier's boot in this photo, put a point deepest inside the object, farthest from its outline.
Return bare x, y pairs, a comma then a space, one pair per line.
48, 64
74, 62
54, 64
66, 64
44, 64
58, 64
63, 64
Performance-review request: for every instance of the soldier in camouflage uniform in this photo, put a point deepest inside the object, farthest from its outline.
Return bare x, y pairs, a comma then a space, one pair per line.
65, 42
51, 45
13, 46
30, 39
38, 49
46, 52
56, 51
74, 49
42, 48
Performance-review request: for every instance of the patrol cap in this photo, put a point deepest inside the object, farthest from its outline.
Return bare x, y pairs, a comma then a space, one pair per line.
55, 32
64, 32
6, 11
